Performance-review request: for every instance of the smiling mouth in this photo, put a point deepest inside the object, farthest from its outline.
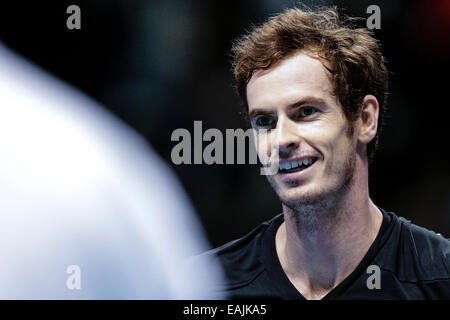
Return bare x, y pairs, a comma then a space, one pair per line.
296, 165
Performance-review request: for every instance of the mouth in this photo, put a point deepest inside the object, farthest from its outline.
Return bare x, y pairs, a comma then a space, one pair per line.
286, 167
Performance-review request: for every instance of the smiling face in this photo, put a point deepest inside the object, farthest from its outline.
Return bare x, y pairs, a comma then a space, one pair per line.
317, 147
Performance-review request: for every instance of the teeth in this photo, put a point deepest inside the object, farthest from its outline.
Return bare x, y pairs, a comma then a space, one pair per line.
284, 166
295, 163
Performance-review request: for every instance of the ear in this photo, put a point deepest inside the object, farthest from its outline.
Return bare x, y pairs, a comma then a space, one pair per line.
368, 119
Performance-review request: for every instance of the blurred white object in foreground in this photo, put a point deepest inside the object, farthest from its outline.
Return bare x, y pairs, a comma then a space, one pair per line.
80, 192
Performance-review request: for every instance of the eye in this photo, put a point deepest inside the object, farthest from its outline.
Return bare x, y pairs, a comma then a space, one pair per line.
307, 111
264, 121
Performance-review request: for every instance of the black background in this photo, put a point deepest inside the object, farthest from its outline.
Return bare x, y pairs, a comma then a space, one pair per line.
159, 65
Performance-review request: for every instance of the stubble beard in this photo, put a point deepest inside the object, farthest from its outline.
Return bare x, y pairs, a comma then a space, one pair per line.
313, 212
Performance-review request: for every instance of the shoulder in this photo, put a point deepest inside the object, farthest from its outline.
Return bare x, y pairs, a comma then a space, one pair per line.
240, 258
420, 255
432, 250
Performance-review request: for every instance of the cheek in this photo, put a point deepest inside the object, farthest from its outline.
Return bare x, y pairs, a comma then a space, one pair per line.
265, 146
341, 149
332, 141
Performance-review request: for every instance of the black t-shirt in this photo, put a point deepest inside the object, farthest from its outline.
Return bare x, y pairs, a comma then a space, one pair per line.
413, 263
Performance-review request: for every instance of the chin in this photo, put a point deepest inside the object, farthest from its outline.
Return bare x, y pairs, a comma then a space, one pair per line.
294, 198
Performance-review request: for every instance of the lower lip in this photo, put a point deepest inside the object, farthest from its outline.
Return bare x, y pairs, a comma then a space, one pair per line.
297, 174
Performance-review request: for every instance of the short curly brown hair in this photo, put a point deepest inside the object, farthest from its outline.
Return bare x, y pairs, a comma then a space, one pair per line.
357, 66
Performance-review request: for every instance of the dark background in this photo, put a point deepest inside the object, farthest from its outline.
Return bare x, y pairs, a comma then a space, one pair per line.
159, 65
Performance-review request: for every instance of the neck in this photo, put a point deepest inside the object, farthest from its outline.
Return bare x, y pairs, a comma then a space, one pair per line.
320, 244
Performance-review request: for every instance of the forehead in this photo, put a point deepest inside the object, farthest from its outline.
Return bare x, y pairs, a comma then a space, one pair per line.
298, 76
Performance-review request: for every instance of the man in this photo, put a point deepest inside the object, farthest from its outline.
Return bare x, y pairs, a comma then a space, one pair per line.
317, 86
87, 210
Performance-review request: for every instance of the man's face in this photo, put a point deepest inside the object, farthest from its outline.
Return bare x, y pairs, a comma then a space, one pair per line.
294, 99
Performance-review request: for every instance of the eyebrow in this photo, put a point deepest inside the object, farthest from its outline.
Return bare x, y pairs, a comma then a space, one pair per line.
302, 101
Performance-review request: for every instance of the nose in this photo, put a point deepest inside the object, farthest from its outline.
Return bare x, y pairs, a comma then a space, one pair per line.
287, 136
